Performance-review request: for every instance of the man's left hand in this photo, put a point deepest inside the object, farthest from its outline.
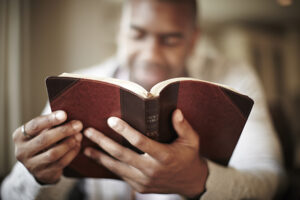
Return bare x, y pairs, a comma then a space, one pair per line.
163, 168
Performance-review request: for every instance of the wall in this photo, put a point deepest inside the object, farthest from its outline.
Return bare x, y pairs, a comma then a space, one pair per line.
65, 36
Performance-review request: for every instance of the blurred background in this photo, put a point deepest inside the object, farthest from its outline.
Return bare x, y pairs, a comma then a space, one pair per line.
39, 38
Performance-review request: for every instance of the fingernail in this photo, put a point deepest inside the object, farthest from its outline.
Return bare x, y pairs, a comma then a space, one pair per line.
78, 137
77, 125
88, 133
60, 115
179, 116
112, 122
87, 152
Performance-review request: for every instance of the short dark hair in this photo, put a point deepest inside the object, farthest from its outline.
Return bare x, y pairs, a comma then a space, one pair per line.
193, 5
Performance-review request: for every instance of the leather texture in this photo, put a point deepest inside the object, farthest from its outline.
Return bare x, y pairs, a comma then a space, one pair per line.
217, 114
61, 85
218, 118
91, 103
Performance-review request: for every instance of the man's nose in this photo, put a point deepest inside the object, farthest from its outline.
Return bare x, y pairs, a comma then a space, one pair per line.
152, 51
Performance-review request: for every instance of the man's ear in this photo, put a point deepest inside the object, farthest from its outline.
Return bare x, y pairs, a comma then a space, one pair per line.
195, 38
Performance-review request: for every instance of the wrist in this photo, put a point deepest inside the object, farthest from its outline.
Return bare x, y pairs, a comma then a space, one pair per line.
200, 187
197, 197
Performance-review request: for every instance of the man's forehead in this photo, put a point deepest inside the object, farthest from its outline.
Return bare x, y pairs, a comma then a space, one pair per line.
159, 15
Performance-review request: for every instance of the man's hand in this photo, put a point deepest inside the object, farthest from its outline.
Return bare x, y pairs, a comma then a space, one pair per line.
48, 148
164, 168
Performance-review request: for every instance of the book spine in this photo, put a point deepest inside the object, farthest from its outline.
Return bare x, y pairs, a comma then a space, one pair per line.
152, 118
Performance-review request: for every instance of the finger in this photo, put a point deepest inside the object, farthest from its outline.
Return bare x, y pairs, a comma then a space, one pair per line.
136, 186
116, 150
52, 136
36, 125
117, 167
184, 130
144, 188
52, 173
68, 157
137, 139
57, 152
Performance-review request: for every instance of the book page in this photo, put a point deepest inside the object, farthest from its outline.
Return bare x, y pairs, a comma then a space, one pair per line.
131, 86
136, 88
156, 89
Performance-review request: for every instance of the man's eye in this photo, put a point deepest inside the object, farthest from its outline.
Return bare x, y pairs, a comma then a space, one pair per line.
171, 40
136, 34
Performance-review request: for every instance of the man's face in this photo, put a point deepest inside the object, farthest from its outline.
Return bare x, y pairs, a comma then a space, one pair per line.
156, 39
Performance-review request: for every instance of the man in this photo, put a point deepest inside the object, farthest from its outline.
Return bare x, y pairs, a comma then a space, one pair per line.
156, 38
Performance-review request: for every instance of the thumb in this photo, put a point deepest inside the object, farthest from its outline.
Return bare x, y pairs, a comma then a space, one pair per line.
184, 129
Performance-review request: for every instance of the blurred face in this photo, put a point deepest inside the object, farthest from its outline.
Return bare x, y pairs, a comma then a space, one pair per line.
155, 40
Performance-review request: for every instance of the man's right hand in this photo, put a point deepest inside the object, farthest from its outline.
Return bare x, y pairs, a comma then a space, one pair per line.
49, 147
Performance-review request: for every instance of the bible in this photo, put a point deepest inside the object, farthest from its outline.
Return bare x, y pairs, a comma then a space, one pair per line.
216, 112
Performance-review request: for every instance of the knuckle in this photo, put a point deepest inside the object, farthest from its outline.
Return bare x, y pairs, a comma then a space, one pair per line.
70, 143
49, 119
111, 165
76, 125
33, 169
33, 126
117, 153
67, 129
147, 182
19, 154
138, 141
167, 159
52, 155
63, 128
42, 139
152, 174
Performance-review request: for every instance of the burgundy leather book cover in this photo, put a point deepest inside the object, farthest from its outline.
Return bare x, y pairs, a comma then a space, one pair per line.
92, 103
217, 114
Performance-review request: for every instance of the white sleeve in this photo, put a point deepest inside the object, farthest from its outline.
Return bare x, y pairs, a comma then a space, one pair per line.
230, 183
255, 170
21, 185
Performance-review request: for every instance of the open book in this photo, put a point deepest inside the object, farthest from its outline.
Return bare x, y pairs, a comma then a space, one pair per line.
217, 113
